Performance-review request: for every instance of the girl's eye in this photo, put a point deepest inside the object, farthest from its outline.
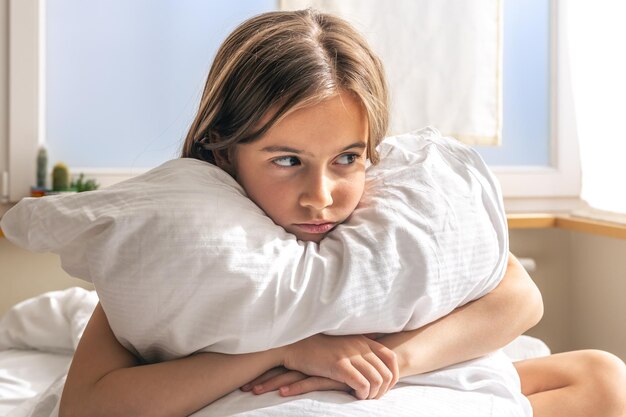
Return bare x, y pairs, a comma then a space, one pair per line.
347, 159
287, 161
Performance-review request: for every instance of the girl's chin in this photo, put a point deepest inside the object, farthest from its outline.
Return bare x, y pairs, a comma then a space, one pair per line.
315, 238
309, 237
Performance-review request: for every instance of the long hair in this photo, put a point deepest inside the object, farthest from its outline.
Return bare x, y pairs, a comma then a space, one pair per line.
277, 62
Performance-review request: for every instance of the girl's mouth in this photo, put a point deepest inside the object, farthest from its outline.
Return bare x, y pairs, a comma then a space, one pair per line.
315, 228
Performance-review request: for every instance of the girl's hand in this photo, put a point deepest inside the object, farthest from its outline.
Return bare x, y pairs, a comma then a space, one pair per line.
366, 366
290, 383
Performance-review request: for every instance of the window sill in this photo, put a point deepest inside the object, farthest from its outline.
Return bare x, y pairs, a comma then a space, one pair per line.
568, 222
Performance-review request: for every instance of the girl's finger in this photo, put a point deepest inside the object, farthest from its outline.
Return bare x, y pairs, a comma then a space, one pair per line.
348, 374
370, 366
264, 377
387, 376
311, 384
385, 373
389, 358
278, 381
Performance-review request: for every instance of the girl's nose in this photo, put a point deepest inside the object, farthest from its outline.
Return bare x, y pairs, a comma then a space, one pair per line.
317, 193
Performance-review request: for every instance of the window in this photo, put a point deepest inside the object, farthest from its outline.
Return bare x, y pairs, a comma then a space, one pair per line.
141, 69
549, 180
525, 86
112, 86
155, 124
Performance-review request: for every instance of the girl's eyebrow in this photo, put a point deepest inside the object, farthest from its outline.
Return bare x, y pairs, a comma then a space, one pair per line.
359, 145
276, 148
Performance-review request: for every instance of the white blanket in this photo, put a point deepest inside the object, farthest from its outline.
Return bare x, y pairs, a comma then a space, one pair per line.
37, 340
26, 373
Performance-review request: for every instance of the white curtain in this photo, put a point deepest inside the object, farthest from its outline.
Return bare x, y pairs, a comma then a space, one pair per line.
597, 47
442, 58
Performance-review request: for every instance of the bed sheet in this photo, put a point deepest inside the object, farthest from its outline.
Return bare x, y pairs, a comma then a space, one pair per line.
27, 373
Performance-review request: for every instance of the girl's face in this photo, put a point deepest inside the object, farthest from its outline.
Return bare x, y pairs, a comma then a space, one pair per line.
308, 171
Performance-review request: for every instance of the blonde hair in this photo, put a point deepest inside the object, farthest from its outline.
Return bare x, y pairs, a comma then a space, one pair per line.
278, 62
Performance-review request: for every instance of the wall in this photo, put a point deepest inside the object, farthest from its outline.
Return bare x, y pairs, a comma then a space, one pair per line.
24, 274
583, 281
598, 293
549, 248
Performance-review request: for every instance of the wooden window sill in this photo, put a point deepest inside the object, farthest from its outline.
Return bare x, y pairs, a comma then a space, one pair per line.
567, 222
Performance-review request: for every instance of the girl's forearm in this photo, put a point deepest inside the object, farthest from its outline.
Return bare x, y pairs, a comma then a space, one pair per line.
445, 342
174, 388
106, 380
473, 330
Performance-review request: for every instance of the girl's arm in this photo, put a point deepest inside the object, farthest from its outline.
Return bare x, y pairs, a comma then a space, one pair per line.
474, 329
105, 379
468, 332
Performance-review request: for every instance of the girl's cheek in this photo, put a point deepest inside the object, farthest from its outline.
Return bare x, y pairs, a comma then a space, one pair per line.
356, 187
276, 200
350, 196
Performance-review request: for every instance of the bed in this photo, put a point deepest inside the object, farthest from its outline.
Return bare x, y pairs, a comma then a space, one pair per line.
38, 336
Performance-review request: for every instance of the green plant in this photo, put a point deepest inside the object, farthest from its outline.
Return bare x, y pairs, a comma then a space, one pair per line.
42, 167
81, 185
60, 177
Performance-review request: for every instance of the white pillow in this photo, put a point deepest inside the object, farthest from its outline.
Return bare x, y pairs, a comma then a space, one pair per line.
183, 261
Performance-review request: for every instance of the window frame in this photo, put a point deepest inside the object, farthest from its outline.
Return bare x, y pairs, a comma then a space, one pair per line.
24, 90
554, 188
524, 188
4, 100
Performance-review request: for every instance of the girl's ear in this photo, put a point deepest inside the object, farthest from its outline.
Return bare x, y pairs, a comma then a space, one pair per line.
224, 160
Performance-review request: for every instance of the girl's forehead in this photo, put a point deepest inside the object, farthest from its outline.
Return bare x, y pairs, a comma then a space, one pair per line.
336, 123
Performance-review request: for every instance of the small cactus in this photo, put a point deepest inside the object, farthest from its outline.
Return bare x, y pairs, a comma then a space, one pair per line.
42, 167
60, 177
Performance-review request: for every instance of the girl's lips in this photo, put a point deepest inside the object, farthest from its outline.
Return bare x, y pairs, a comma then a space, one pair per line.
315, 228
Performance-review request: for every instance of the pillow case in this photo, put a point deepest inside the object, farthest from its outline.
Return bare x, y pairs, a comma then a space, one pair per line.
183, 261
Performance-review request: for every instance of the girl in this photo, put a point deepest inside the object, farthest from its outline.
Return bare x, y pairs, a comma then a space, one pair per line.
294, 105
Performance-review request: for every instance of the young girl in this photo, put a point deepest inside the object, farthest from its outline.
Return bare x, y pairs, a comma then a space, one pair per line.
294, 105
